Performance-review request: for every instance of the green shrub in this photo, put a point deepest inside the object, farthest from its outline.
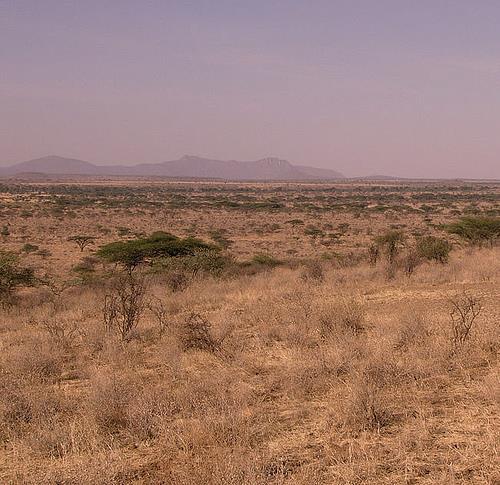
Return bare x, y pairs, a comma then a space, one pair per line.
434, 249
13, 275
476, 230
313, 231
265, 260
219, 236
86, 265
208, 261
29, 248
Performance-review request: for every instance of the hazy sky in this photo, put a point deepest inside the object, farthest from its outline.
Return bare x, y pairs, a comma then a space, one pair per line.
400, 87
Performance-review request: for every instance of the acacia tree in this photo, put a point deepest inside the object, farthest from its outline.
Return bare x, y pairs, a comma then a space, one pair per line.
131, 254
82, 240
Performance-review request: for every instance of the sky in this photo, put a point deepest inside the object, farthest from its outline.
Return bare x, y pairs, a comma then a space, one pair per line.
397, 87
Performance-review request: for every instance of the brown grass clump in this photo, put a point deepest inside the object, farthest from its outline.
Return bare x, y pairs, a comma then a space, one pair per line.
313, 271
341, 315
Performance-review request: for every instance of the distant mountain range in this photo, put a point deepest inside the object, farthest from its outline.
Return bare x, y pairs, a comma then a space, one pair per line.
186, 167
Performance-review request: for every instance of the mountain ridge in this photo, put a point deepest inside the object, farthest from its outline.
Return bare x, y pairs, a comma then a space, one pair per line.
192, 166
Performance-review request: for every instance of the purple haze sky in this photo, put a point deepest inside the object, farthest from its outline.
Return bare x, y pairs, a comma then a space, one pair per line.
400, 87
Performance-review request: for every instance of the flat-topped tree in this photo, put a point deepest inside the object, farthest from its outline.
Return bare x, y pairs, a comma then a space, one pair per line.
131, 254
82, 240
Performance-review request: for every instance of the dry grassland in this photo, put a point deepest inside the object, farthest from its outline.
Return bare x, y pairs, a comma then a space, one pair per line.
322, 369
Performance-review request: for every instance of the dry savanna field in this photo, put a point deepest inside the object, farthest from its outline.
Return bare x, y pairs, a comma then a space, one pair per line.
185, 332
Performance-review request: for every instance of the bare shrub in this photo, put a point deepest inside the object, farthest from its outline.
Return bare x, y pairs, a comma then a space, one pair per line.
197, 334
352, 314
490, 387
464, 311
124, 305
371, 399
160, 312
280, 467
63, 331
373, 254
409, 261
15, 412
86, 266
390, 271
313, 271
56, 288
177, 280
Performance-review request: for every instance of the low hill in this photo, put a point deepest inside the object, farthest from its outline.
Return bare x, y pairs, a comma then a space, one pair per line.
187, 166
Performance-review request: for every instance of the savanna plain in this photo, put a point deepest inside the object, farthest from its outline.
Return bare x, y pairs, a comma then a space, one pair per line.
185, 332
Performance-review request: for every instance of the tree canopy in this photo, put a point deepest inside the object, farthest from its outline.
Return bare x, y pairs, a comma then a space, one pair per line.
132, 253
476, 230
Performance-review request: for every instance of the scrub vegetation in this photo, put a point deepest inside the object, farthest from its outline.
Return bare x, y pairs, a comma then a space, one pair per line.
219, 333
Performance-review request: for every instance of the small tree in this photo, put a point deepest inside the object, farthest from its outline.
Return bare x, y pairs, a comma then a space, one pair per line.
13, 275
124, 305
391, 242
82, 240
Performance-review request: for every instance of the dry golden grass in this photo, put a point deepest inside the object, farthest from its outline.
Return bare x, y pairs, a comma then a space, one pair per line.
317, 372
